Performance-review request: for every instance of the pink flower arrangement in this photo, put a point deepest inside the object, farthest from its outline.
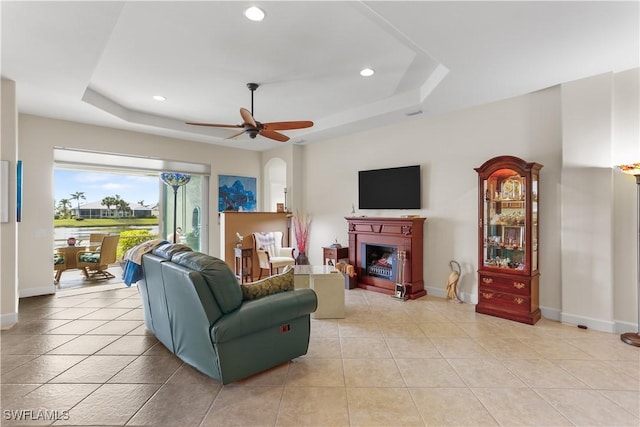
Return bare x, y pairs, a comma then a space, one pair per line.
301, 227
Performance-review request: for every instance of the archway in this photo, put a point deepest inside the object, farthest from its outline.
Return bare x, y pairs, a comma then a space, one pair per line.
275, 172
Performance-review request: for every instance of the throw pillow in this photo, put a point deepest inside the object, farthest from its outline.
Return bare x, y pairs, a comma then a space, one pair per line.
271, 285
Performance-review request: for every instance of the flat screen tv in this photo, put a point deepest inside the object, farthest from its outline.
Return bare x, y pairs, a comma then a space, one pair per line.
391, 188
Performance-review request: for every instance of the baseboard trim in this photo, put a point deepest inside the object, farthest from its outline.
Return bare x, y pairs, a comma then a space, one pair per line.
550, 313
436, 292
439, 292
597, 324
7, 320
35, 292
622, 327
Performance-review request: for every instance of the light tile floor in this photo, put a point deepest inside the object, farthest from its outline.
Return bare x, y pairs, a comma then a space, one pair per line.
86, 357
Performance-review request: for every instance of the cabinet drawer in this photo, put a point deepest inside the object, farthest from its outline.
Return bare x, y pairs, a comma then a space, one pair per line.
502, 300
515, 285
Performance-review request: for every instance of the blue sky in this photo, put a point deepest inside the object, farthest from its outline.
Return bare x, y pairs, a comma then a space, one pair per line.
98, 185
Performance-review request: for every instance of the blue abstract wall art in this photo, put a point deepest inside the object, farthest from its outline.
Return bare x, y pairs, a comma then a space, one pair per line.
237, 193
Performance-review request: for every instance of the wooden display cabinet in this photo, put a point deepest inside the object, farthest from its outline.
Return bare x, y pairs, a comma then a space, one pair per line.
508, 271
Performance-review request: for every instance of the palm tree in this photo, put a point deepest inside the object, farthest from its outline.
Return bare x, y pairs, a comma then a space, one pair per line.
117, 202
123, 206
63, 207
141, 203
77, 196
108, 202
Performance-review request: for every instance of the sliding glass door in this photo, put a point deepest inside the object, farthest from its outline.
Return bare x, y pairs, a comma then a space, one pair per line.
191, 213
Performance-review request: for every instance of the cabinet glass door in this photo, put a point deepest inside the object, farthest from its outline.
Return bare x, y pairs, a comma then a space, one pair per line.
504, 220
534, 221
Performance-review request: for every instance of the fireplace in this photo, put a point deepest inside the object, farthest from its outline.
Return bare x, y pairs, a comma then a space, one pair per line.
374, 244
379, 261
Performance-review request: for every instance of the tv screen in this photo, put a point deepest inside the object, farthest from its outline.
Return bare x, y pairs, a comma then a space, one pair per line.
391, 188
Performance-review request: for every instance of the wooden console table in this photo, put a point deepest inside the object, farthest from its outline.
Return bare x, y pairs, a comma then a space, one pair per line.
401, 234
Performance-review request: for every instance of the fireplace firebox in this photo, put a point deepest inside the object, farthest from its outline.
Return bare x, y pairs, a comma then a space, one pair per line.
379, 261
374, 244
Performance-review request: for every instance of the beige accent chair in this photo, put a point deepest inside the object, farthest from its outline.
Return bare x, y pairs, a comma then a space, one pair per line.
271, 254
95, 264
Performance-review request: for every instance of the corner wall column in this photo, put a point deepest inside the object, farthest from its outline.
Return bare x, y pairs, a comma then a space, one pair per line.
9, 230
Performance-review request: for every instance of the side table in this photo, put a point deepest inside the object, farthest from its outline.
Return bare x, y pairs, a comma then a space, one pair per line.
332, 255
328, 284
243, 264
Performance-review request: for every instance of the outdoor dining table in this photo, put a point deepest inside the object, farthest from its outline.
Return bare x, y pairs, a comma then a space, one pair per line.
70, 254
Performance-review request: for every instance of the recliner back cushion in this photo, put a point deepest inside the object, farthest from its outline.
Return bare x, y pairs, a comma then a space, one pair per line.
219, 277
168, 250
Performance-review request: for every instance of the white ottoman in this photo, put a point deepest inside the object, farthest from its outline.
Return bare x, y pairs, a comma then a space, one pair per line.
328, 284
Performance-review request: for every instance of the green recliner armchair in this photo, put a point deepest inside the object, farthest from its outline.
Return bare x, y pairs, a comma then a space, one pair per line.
194, 305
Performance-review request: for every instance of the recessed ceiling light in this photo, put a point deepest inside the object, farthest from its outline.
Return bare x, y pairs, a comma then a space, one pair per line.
159, 98
254, 13
366, 72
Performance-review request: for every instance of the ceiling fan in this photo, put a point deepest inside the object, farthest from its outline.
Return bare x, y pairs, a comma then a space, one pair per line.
252, 127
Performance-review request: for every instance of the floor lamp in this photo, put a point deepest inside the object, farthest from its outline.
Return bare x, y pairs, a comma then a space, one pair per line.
175, 180
633, 338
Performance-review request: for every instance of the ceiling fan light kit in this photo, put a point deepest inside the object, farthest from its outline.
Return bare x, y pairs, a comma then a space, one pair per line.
253, 128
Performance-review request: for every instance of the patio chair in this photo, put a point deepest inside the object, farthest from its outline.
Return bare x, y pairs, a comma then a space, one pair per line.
95, 264
59, 265
95, 240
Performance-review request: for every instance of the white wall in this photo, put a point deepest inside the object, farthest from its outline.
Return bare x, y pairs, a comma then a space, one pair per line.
448, 148
587, 202
38, 137
581, 290
599, 257
626, 149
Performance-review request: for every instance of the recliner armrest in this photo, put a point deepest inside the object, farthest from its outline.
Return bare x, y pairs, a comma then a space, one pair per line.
270, 311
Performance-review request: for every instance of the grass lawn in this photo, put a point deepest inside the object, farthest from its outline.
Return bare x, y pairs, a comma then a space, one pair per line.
104, 222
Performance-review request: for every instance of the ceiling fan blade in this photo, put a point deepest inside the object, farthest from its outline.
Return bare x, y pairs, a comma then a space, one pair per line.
214, 125
235, 135
274, 135
248, 118
288, 125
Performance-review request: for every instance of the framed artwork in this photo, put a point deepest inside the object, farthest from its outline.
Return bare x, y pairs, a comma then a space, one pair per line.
237, 193
19, 190
279, 207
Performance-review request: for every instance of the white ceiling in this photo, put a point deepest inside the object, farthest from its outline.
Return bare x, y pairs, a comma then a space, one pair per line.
101, 62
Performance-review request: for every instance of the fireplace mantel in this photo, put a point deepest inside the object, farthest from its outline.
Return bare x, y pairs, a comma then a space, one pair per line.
405, 234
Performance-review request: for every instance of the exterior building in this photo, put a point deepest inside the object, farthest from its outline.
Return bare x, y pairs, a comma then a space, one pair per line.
98, 210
